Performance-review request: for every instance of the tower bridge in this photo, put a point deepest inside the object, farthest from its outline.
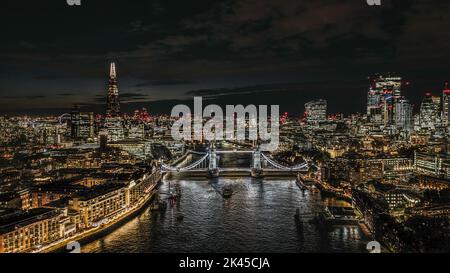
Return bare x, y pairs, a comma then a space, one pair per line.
261, 164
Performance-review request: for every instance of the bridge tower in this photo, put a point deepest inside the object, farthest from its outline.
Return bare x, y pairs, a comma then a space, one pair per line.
256, 164
213, 171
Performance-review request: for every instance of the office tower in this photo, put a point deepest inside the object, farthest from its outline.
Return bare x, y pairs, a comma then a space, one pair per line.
429, 117
113, 125
384, 90
114, 129
113, 106
135, 130
316, 111
403, 115
82, 124
445, 106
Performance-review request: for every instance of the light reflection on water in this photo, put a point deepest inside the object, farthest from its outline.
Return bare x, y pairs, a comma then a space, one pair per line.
259, 217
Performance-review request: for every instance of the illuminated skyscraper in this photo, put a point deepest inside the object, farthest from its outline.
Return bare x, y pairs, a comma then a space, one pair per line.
429, 118
82, 124
445, 106
113, 106
384, 90
316, 111
403, 115
114, 129
113, 125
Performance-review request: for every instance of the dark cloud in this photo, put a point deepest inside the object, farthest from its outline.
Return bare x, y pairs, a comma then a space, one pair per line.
160, 46
35, 97
132, 95
288, 94
124, 97
164, 82
256, 89
51, 77
24, 97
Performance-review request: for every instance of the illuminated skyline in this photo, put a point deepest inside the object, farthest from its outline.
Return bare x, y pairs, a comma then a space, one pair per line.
229, 50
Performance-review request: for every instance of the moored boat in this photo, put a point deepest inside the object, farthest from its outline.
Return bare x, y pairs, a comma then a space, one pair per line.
227, 192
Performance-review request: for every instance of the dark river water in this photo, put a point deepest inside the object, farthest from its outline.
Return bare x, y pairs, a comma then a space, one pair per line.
259, 217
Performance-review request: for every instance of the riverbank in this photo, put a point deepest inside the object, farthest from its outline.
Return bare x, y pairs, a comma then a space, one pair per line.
259, 217
97, 232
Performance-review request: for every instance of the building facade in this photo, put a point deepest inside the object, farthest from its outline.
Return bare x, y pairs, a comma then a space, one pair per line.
403, 116
383, 92
316, 111
82, 124
26, 231
429, 118
98, 205
437, 165
112, 105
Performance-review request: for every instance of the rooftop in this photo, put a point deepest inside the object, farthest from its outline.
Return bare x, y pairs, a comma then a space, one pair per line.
98, 191
9, 221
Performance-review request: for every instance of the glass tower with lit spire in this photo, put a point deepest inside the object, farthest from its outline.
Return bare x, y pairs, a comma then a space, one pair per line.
113, 106
113, 126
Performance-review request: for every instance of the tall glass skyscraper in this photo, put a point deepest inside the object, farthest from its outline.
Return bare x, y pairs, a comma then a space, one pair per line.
113, 106
316, 111
384, 90
429, 117
113, 124
403, 115
445, 106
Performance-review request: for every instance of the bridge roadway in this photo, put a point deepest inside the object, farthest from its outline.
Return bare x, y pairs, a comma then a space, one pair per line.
238, 172
208, 164
234, 152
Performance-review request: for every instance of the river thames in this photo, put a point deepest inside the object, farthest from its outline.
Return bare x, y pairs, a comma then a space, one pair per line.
259, 217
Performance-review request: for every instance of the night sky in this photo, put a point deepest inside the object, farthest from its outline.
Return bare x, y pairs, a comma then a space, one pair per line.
231, 52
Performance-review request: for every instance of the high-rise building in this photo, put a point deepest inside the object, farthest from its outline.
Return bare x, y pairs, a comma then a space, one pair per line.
403, 115
113, 106
135, 129
82, 124
384, 90
437, 165
445, 106
113, 127
429, 117
114, 124
316, 111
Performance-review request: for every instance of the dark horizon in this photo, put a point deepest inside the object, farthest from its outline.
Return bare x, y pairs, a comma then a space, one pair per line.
231, 52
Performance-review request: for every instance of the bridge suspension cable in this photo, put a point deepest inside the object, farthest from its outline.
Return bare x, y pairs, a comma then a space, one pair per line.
186, 168
303, 166
64, 116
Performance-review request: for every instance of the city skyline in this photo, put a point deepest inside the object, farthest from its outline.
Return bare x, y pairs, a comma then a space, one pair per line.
233, 126
223, 50
244, 95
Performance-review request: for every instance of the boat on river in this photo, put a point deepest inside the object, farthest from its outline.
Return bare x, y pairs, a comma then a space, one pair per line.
227, 192
298, 220
300, 183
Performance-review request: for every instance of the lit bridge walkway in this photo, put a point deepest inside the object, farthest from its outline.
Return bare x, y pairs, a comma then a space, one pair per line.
209, 165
